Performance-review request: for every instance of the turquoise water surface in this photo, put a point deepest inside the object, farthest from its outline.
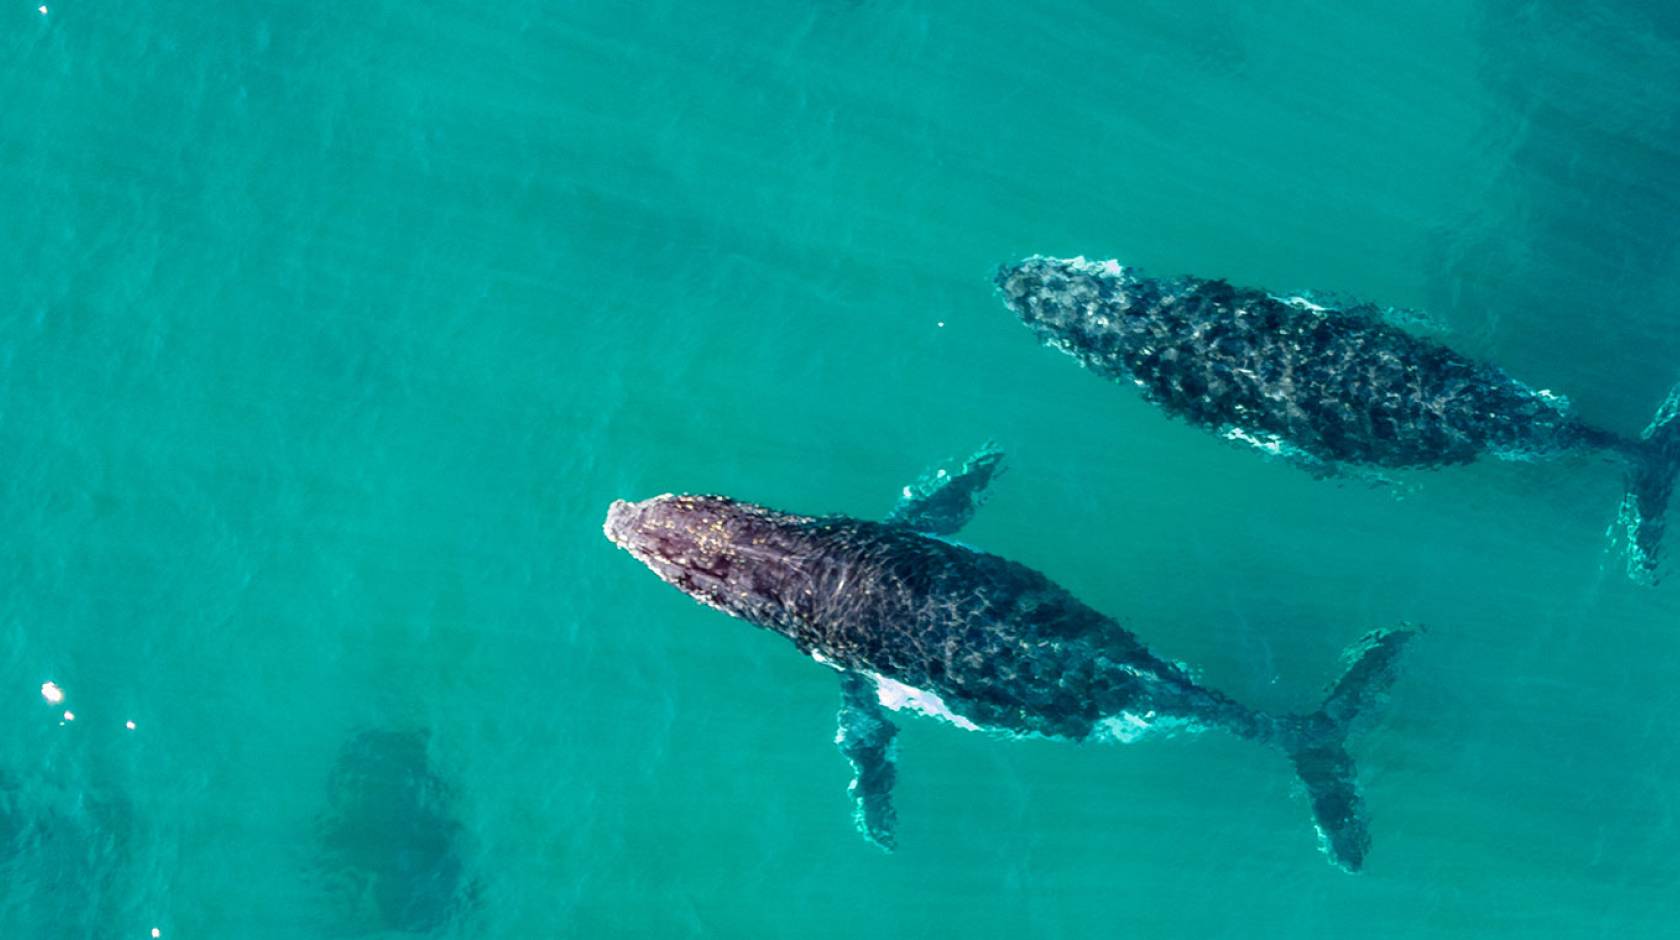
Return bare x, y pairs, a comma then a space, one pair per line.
332, 329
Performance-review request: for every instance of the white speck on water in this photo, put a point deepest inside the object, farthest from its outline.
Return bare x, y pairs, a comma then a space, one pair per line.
129, 725
69, 715
52, 693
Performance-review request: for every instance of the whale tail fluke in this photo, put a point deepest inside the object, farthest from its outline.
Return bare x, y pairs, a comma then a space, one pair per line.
1650, 483
1318, 745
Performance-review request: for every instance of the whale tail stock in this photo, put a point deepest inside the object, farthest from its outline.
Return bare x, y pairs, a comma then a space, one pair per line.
1317, 745
1650, 483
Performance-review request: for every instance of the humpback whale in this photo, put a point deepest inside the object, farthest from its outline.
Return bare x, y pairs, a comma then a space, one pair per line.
915, 622
1325, 383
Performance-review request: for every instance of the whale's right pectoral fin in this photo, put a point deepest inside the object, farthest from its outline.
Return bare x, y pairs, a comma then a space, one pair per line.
866, 738
942, 501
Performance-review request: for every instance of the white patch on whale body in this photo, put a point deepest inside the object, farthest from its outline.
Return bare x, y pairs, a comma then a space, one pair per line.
1109, 267
1123, 728
897, 696
1267, 443
1300, 303
1273, 445
1559, 403
1518, 455
1412, 321
1128, 727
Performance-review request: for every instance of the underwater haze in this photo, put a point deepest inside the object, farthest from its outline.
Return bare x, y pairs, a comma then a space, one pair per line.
331, 331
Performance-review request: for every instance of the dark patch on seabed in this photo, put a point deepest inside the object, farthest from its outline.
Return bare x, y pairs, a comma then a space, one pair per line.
77, 838
391, 847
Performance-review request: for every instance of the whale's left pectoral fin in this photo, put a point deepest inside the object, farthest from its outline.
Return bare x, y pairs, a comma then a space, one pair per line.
942, 500
866, 738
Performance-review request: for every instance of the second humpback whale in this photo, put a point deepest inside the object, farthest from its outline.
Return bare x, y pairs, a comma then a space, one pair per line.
912, 621
1323, 383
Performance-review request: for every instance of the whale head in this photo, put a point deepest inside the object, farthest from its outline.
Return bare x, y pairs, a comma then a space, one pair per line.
737, 557
1070, 303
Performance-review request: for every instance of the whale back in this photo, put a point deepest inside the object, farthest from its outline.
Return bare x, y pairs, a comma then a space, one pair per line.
998, 641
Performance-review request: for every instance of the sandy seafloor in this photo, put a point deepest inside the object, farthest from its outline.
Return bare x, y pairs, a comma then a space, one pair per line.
330, 330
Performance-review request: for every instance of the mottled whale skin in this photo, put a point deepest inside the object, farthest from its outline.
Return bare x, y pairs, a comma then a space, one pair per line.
983, 642
1323, 385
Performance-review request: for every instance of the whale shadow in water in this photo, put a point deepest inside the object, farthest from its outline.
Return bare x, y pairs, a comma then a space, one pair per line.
392, 850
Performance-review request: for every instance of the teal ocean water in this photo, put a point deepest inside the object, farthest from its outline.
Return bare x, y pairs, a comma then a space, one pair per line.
330, 331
